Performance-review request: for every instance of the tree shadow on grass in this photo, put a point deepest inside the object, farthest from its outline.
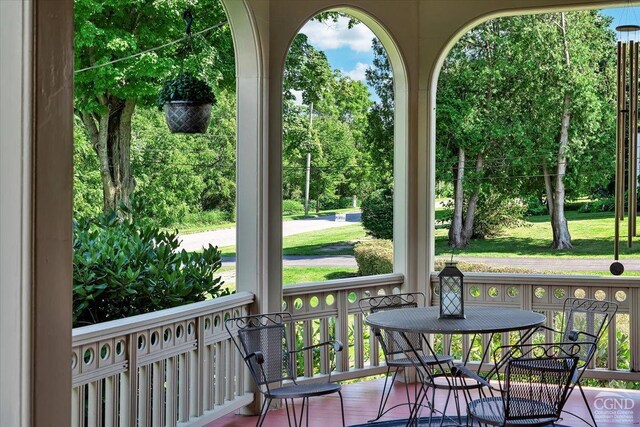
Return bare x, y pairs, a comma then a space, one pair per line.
335, 248
340, 275
520, 246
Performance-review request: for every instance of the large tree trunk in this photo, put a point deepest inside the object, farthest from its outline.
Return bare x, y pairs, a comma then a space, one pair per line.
110, 134
561, 236
470, 216
456, 239
461, 228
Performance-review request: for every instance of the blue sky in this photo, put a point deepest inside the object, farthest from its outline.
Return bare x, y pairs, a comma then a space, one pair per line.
349, 50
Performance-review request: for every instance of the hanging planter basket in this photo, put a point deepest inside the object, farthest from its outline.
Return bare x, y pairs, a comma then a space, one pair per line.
187, 116
186, 101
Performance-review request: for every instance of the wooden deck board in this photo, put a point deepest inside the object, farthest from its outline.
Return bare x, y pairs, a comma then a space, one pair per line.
361, 404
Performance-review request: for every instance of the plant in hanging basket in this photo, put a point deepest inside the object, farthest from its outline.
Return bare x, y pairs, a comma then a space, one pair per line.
186, 101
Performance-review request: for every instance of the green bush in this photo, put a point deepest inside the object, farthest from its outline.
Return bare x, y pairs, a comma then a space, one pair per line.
606, 204
290, 207
478, 267
374, 257
377, 214
122, 268
495, 213
535, 206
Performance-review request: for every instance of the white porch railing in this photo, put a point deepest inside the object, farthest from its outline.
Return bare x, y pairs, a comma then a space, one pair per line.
618, 356
171, 367
153, 370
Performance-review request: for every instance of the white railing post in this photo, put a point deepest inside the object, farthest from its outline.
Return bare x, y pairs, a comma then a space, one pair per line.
634, 328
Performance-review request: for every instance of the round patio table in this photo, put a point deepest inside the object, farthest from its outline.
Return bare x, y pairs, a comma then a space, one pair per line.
478, 320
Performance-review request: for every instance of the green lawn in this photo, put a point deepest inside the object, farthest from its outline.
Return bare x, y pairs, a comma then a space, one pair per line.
591, 235
292, 275
331, 241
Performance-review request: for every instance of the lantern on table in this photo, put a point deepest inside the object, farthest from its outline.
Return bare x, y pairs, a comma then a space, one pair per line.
451, 292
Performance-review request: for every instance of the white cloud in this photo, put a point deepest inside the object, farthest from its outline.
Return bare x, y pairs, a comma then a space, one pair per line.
357, 73
298, 95
334, 35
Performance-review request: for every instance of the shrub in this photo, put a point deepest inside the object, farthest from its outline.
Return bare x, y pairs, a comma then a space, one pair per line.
479, 267
377, 214
336, 203
122, 268
374, 257
290, 207
496, 213
606, 204
186, 87
535, 206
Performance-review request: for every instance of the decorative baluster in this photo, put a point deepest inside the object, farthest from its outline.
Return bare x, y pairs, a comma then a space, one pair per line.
110, 401
172, 377
93, 412
324, 351
143, 397
157, 393
307, 340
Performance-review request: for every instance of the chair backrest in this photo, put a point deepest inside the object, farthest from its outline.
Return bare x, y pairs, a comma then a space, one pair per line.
537, 380
585, 321
265, 333
392, 342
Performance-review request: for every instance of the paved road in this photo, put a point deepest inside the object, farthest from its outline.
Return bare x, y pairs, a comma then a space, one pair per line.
533, 264
227, 236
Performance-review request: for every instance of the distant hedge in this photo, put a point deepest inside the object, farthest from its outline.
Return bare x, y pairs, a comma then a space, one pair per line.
374, 257
292, 207
479, 267
377, 214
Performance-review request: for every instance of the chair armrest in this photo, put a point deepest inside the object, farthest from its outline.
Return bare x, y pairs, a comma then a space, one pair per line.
256, 355
337, 346
463, 371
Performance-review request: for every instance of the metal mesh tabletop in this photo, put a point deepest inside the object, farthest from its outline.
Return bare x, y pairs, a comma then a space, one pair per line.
478, 320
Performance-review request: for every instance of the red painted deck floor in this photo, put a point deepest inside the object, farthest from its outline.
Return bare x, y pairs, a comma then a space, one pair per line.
611, 407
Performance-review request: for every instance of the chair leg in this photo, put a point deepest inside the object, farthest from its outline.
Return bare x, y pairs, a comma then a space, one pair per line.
263, 411
341, 408
586, 402
385, 394
286, 404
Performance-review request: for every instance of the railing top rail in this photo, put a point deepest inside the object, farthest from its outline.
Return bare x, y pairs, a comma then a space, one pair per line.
342, 284
105, 330
547, 279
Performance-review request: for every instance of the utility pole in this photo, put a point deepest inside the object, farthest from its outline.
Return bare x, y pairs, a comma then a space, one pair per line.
308, 180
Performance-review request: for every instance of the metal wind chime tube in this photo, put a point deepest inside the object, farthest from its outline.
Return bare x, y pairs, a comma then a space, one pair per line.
633, 140
626, 141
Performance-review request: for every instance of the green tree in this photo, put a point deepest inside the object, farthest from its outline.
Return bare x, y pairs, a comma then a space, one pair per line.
378, 135
528, 100
571, 119
106, 96
307, 70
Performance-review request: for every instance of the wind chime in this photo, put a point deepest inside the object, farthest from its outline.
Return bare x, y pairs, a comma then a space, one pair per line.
626, 141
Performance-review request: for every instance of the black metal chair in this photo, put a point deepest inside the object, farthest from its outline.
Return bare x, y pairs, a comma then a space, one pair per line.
583, 321
263, 344
533, 388
394, 347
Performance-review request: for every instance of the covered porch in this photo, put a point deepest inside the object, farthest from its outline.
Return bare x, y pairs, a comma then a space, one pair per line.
178, 366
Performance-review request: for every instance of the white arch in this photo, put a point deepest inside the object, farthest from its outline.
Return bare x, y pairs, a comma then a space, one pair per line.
252, 173
401, 124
